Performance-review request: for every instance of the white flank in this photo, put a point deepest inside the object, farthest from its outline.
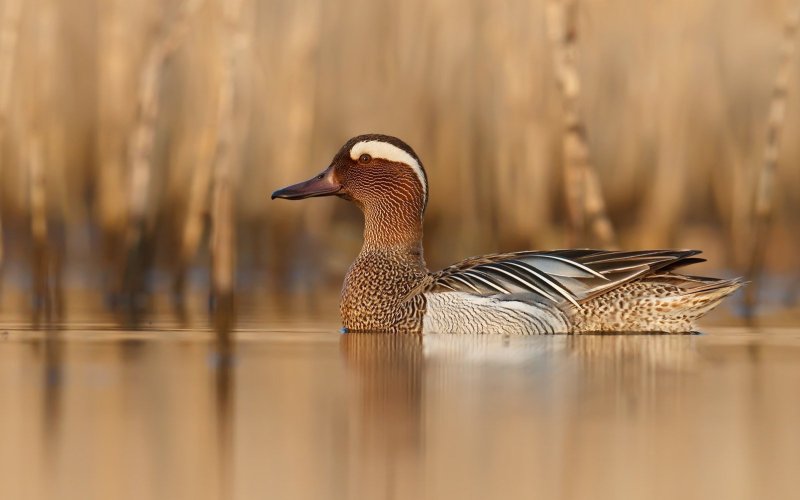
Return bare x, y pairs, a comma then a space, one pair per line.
386, 151
461, 312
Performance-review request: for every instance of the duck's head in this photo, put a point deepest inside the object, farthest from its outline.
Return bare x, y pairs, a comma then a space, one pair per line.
376, 172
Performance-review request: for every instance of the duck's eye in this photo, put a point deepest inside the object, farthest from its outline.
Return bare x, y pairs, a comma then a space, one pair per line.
365, 158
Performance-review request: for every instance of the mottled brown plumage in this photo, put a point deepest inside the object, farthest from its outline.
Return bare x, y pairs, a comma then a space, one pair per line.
388, 287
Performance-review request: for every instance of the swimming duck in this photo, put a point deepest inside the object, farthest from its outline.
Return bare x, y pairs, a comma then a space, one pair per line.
389, 288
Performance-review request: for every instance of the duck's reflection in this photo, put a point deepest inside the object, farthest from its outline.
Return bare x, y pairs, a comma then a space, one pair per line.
635, 352
389, 369
405, 383
386, 426
591, 351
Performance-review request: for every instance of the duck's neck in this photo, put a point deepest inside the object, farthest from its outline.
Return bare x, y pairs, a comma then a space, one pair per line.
389, 266
394, 230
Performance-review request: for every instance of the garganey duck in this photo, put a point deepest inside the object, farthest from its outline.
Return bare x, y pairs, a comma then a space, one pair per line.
389, 288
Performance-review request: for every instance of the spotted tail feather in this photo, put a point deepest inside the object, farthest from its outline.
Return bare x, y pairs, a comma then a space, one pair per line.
661, 303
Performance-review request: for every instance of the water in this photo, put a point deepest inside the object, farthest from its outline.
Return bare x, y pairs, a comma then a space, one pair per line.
298, 411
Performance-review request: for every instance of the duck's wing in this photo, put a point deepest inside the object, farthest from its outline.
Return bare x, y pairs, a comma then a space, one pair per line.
560, 276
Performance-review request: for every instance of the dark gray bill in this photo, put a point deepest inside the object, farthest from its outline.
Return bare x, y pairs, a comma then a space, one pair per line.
321, 185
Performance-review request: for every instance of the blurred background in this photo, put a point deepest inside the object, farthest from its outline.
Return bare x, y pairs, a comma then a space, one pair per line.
140, 140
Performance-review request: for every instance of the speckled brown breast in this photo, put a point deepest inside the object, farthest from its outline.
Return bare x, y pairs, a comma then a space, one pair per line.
374, 290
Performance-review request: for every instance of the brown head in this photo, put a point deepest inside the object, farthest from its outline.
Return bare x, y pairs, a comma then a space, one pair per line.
384, 177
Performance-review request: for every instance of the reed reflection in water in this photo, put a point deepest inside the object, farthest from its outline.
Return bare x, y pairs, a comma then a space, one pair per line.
308, 414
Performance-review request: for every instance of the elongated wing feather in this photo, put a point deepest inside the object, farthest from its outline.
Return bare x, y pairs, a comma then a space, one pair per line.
560, 276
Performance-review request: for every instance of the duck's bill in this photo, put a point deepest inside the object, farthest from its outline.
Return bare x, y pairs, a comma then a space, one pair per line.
321, 185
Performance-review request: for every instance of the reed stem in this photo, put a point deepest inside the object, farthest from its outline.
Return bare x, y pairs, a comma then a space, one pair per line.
142, 138
9, 35
763, 205
197, 202
39, 230
223, 234
585, 204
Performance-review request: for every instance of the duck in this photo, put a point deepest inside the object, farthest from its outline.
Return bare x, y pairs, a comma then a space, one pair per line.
388, 288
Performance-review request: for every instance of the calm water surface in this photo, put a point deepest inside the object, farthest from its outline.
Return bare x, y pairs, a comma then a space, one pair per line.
296, 410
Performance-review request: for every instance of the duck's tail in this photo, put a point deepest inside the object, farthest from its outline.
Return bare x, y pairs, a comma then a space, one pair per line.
660, 303
708, 296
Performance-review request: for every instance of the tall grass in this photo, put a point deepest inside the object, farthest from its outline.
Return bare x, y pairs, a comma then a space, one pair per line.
126, 109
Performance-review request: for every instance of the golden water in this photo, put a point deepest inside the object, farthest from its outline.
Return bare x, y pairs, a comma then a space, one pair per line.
296, 410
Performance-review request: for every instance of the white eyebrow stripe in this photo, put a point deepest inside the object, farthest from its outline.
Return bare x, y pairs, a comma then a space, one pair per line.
386, 151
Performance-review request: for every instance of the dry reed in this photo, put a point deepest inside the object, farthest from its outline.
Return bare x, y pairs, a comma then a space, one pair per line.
223, 235
9, 35
764, 194
197, 202
116, 115
585, 204
41, 249
40, 168
142, 139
